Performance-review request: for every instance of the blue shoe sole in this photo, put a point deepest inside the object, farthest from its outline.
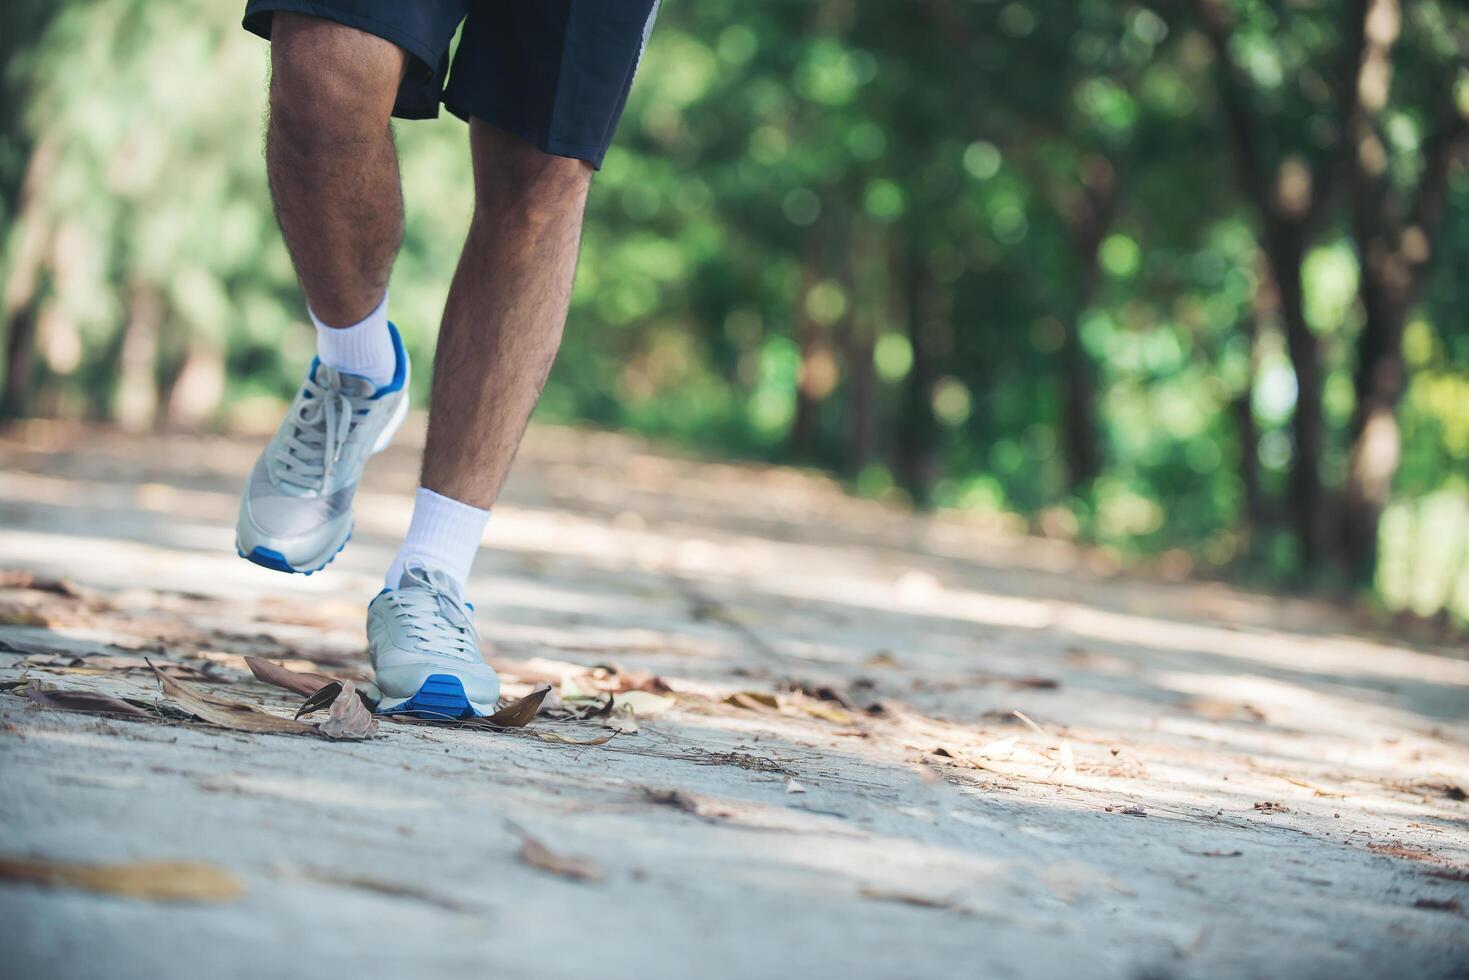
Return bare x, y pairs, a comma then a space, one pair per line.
440, 696
275, 561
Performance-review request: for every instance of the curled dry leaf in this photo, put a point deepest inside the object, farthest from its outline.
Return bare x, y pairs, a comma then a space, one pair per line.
349, 717
90, 702
518, 714
321, 699
538, 855
227, 714
159, 881
292, 680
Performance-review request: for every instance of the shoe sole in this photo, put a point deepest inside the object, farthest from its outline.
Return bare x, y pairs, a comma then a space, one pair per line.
440, 696
275, 561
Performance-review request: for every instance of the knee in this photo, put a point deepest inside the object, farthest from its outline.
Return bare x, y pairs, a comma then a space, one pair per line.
329, 81
514, 180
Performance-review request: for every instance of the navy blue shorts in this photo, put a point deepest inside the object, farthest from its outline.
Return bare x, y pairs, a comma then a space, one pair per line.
553, 72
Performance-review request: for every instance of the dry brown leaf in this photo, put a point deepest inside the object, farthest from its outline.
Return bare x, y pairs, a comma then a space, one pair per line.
292, 680
90, 702
518, 714
349, 717
907, 898
321, 699
754, 700
538, 855
826, 712
159, 881
568, 740
378, 886
228, 714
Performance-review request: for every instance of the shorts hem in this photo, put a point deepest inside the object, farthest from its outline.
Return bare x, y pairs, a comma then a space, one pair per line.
425, 53
592, 153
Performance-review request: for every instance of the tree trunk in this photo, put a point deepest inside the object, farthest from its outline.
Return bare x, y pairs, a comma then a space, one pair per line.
1394, 246
1307, 495
1242, 409
20, 347
917, 449
1089, 218
194, 396
862, 399
135, 406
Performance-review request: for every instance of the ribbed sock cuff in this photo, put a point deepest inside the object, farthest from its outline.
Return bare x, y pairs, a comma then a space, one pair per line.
443, 534
364, 348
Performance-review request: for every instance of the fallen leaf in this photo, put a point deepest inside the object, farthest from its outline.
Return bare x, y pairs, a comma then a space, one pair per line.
349, 717
538, 855
378, 886
90, 702
518, 714
159, 881
292, 680
568, 740
642, 703
675, 798
21, 616
1270, 807
794, 787
907, 898
323, 698
1438, 904
228, 714
826, 712
754, 700
1134, 811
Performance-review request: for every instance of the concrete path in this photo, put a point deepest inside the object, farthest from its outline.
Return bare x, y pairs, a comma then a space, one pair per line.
1205, 783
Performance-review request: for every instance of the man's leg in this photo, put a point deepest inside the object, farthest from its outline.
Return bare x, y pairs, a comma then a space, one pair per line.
502, 326
331, 160
334, 176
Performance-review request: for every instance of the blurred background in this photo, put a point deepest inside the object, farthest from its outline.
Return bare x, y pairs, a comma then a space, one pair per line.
1183, 282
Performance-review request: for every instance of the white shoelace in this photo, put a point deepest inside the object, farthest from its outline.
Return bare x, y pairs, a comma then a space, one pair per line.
322, 424
432, 613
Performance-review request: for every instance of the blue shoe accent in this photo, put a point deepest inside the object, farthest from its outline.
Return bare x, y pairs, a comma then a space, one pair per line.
441, 696
266, 558
274, 560
400, 369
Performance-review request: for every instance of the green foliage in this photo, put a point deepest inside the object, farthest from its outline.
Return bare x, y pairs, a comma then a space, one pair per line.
889, 239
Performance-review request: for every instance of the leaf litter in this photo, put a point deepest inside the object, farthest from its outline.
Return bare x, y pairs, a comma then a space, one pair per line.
159, 881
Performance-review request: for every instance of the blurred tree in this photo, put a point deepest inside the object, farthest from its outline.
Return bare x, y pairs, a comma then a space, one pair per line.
980, 255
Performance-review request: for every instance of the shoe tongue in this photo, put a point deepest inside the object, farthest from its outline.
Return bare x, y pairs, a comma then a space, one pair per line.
351, 385
418, 575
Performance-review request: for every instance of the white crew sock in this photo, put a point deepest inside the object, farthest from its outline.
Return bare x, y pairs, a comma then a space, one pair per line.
364, 348
443, 534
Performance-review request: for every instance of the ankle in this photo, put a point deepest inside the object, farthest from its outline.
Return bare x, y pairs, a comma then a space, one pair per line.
444, 534
363, 348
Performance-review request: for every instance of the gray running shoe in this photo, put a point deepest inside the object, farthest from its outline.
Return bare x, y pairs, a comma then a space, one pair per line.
296, 511
425, 650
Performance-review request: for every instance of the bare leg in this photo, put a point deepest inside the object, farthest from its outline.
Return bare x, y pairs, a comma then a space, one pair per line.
506, 309
333, 168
